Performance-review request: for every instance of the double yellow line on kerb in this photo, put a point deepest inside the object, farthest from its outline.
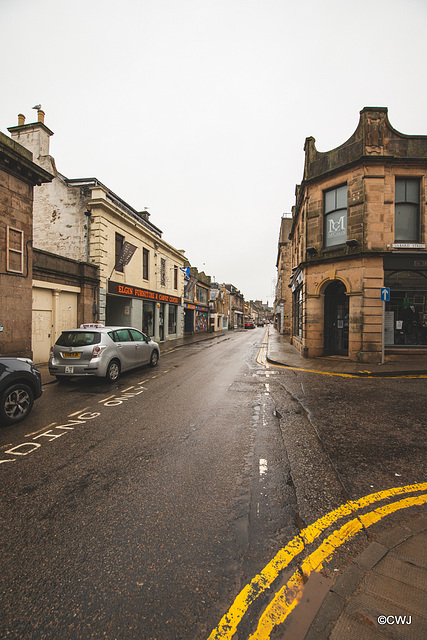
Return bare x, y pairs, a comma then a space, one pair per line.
262, 360
287, 598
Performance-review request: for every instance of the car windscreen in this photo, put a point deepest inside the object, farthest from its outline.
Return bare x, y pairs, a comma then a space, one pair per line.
78, 338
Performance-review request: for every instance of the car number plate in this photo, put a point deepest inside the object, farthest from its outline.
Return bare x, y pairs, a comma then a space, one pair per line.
69, 369
71, 355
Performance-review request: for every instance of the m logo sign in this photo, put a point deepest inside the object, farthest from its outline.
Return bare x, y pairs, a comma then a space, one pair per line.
336, 227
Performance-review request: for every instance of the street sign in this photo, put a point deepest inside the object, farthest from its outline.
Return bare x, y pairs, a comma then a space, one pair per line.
385, 297
385, 294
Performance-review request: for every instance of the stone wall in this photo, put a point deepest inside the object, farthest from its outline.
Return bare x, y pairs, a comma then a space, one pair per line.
18, 175
16, 198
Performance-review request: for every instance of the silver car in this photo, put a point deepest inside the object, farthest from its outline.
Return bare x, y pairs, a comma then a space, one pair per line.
101, 351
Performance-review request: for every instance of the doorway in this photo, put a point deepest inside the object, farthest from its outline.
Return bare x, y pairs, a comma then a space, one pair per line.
336, 320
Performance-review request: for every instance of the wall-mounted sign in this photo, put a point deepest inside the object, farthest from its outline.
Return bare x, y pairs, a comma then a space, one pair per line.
130, 291
126, 254
195, 306
408, 245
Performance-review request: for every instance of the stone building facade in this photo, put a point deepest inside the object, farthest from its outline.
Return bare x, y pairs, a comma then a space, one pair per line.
197, 302
359, 225
18, 177
140, 279
234, 306
219, 315
283, 300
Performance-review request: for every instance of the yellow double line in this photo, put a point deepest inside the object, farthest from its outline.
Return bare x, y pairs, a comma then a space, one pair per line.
288, 597
262, 360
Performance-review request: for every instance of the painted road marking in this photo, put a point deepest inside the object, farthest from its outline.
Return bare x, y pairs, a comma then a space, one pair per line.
289, 596
71, 415
262, 360
40, 430
105, 399
114, 400
230, 621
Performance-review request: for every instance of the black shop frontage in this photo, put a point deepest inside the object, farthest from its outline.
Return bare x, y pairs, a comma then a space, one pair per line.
406, 312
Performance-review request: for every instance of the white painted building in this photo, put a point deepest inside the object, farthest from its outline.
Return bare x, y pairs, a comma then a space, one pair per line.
141, 282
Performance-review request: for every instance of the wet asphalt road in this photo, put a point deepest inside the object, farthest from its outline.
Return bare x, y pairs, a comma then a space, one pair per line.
138, 511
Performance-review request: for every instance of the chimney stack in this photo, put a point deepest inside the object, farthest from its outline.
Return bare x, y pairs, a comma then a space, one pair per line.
21, 119
40, 116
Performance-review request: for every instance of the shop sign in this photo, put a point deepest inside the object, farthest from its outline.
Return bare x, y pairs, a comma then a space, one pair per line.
195, 306
336, 228
130, 291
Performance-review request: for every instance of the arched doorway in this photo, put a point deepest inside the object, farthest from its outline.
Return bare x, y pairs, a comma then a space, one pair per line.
336, 319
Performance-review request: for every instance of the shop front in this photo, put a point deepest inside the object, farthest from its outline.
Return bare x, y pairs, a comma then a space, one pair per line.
406, 311
155, 314
196, 318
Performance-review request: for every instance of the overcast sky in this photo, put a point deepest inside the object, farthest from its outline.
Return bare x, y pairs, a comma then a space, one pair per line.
199, 109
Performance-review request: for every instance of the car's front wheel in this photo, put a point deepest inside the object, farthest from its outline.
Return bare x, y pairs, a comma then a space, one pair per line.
154, 359
16, 403
113, 371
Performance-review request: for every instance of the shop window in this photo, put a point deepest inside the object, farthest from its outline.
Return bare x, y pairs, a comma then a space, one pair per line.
145, 263
406, 312
298, 309
118, 249
201, 321
172, 319
335, 217
407, 210
15, 250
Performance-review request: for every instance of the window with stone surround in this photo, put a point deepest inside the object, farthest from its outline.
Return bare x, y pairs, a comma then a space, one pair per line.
145, 263
335, 216
407, 210
15, 250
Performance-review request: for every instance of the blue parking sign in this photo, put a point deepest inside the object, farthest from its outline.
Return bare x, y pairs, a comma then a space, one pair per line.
385, 294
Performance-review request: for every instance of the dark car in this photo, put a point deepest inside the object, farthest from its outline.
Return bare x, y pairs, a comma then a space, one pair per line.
20, 385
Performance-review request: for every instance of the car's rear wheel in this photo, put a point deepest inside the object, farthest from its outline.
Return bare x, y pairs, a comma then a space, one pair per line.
16, 403
154, 359
113, 371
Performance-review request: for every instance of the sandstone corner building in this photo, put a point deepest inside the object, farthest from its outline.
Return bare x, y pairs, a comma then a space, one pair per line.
359, 224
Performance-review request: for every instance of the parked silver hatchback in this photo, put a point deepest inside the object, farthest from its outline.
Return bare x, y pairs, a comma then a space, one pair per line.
101, 351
